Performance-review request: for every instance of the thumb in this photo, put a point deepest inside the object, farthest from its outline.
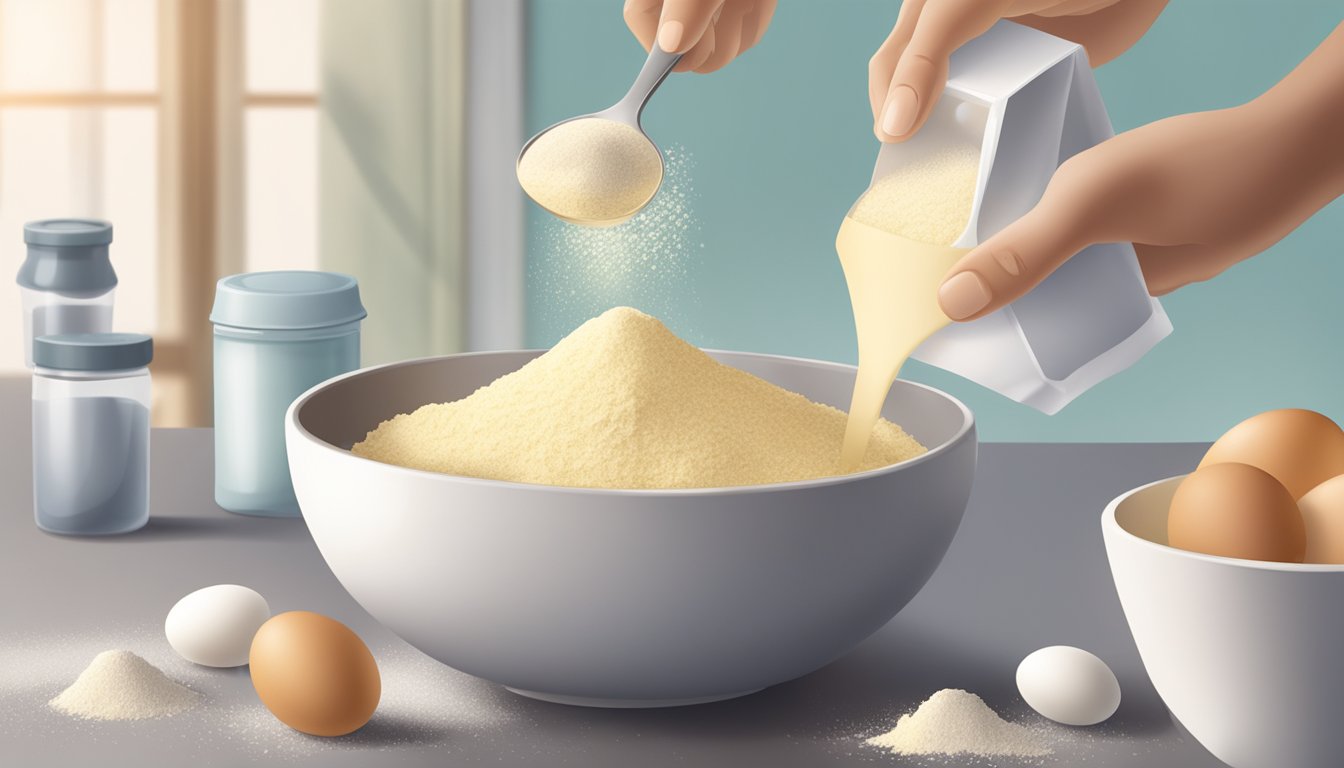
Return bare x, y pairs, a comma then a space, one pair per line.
1008, 265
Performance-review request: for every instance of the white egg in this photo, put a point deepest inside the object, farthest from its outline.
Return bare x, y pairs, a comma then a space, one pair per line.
1068, 685
214, 626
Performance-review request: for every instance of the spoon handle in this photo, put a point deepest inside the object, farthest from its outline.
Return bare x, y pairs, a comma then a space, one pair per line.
655, 70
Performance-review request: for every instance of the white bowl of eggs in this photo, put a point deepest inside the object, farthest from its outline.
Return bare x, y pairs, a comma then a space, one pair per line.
1232, 581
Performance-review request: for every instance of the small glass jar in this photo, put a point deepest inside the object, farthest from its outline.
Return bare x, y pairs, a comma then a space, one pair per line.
91, 397
277, 334
67, 281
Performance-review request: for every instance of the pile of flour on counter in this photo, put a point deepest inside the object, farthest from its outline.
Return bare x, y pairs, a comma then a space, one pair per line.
424, 703
955, 722
118, 685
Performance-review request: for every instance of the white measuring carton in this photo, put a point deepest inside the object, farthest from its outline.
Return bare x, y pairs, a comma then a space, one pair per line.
1029, 100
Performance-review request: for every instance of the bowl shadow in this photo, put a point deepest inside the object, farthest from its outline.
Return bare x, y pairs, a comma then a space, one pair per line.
862, 693
856, 697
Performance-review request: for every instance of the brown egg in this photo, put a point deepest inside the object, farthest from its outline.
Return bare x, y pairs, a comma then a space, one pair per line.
314, 673
1323, 513
1301, 448
1236, 510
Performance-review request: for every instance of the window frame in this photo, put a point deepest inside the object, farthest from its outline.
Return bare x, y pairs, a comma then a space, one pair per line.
205, 221
201, 104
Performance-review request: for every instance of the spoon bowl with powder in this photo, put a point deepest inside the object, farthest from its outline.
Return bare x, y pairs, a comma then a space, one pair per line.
600, 169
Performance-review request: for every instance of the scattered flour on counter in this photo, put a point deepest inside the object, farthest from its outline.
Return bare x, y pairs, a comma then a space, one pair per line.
118, 685
955, 722
425, 705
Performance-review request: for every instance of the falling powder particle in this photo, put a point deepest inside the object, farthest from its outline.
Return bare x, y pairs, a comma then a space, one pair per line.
591, 169
954, 722
648, 262
927, 200
623, 403
118, 685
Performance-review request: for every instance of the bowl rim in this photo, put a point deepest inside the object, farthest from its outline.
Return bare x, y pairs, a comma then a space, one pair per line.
1110, 524
967, 425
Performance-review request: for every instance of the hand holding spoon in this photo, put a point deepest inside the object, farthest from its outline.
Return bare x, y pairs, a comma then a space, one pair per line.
599, 169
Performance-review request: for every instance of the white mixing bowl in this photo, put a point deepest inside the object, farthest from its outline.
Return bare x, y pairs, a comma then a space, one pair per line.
625, 598
1245, 654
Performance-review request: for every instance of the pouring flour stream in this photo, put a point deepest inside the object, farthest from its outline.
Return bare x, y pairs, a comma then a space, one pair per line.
895, 247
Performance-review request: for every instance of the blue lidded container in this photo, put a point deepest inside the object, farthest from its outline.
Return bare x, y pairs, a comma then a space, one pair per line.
91, 398
277, 334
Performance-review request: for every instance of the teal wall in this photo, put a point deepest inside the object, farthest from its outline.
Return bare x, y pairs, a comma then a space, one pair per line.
782, 145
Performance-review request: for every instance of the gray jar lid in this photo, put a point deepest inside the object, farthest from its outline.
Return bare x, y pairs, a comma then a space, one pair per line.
287, 300
68, 256
67, 232
93, 351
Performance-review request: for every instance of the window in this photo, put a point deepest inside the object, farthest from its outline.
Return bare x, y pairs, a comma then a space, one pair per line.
280, 133
192, 126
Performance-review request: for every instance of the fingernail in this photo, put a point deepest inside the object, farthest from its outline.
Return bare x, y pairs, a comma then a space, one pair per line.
963, 294
1011, 262
670, 35
899, 115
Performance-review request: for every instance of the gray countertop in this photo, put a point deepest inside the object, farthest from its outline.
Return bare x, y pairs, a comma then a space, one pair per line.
1027, 569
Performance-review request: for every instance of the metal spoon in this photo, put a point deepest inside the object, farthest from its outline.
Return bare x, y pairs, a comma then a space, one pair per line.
627, 110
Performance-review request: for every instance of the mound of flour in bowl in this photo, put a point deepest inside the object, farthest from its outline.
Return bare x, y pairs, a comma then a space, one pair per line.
623, 403
119, 685
955, 722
